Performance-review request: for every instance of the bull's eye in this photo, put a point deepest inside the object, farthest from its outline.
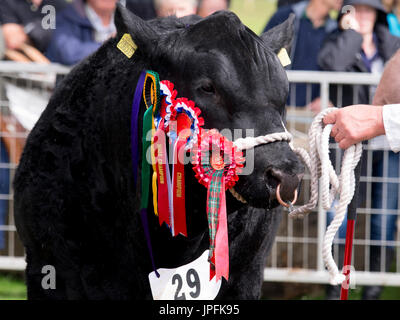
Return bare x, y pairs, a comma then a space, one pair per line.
208, 88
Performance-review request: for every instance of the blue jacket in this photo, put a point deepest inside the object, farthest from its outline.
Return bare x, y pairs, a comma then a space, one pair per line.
305, 47
298, 9
73, 38
394, 24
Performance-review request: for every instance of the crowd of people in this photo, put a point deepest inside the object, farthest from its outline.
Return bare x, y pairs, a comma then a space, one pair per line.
81, 25
360, 40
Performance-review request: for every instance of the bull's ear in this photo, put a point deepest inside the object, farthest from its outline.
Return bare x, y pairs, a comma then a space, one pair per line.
141, 32
280, 36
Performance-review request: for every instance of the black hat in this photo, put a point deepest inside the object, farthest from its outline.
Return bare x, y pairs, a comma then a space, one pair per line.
376, 4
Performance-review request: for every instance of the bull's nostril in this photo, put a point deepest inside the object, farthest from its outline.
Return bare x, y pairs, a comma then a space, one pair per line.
288, 183
272, 180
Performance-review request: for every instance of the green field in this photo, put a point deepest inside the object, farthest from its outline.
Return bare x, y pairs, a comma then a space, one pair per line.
388, 293
12, 287
254, 13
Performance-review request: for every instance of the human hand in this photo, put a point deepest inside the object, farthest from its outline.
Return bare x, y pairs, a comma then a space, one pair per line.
356, 123
14, 35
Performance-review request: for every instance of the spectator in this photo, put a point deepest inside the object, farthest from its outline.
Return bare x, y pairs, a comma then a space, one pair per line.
179, 8
81, 29
360, 122
393, 18
312, 25
142, 8
364, 44
283, 3
207, 7
21, 22
356, 123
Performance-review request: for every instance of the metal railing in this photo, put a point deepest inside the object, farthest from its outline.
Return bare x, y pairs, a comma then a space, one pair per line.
22, 85
296, 254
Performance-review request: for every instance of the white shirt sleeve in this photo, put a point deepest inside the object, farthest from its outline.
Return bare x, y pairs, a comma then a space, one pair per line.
391, 121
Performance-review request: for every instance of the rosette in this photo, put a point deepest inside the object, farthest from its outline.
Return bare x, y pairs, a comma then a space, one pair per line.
217, 163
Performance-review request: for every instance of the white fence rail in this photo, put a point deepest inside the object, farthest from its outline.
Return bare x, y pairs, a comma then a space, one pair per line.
23, 86
296, 254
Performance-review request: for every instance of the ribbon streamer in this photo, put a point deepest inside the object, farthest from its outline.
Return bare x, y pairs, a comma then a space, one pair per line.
217, 173
134, 151
183, 128
178, 183
161, 160
165, 194
152, 103
151, 95
134, 125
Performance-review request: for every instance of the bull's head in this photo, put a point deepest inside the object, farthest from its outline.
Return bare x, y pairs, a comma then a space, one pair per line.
235, 78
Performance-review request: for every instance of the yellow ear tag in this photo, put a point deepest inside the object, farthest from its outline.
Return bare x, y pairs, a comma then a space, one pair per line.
126, 45
284, 57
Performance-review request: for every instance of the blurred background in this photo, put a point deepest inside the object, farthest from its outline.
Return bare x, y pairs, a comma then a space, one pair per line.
38, 50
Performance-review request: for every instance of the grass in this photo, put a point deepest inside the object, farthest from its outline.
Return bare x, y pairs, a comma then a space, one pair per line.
254, 13
388, 293
12, 288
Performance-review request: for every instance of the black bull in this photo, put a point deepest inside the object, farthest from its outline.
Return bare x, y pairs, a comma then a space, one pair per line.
76, 206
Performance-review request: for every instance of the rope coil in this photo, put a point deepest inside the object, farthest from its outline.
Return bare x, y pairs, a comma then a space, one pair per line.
331, 185
323, 176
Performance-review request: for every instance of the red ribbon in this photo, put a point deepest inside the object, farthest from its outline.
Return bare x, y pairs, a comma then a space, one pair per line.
221, 241
219, 262
160, 152
179, 188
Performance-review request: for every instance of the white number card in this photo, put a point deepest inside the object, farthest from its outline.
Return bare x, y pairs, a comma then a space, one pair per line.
188, 282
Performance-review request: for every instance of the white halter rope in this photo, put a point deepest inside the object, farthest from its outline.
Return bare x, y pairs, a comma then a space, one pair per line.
319, 165
251, 142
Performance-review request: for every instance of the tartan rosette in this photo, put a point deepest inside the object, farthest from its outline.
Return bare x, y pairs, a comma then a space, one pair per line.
217, 163
212, 143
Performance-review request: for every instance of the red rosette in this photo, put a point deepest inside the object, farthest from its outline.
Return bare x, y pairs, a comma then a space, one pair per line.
215, 152
185, 115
